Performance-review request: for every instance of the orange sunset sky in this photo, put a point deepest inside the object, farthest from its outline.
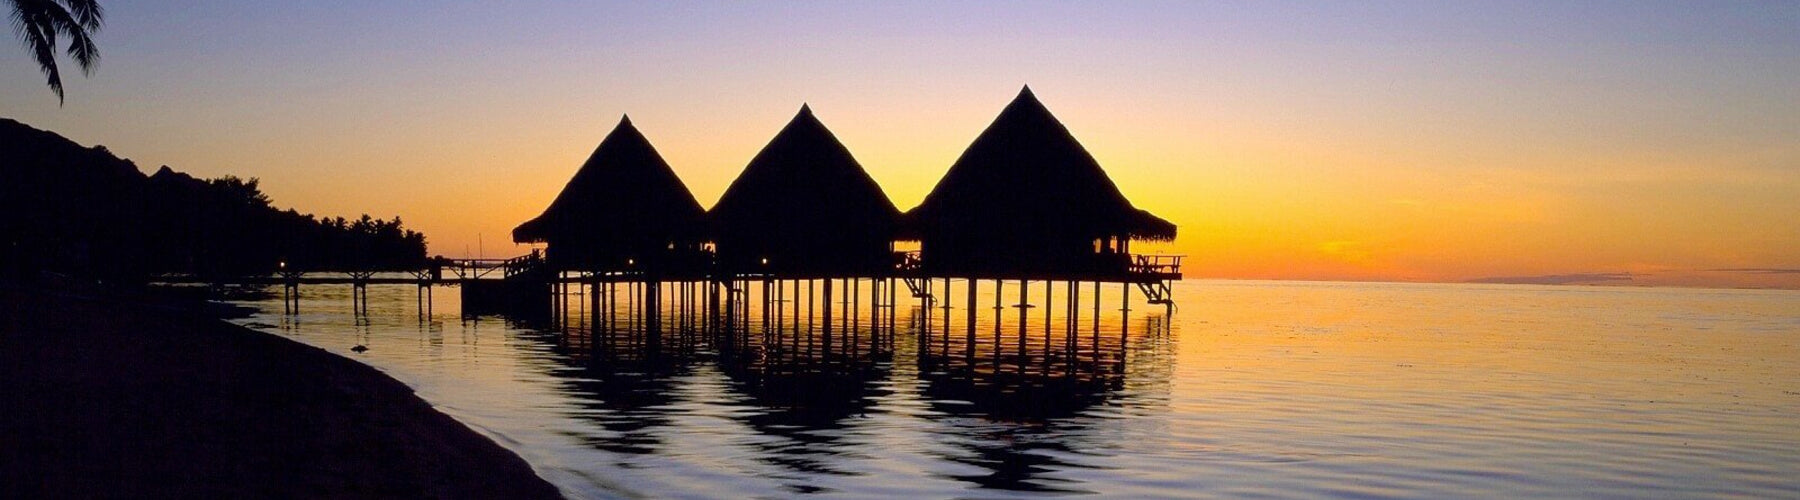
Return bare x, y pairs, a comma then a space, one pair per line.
1430, 141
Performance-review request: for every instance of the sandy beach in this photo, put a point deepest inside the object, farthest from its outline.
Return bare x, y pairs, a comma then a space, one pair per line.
111, 397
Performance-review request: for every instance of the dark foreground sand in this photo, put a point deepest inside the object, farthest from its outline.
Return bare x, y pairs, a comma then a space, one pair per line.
133, 399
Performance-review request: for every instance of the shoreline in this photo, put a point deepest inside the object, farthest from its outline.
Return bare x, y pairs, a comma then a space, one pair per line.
126, 396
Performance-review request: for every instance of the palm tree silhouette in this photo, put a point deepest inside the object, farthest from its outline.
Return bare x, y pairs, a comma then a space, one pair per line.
40, 22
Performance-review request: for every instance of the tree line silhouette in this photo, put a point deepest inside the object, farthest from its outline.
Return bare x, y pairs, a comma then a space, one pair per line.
84, 212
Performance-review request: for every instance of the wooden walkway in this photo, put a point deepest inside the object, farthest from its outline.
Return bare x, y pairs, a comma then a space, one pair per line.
512, 281
1141, 269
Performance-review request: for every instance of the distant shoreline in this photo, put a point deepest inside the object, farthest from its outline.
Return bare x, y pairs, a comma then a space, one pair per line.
115, 395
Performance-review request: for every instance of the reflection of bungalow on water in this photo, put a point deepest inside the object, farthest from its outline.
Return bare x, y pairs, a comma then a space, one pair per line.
1025, 202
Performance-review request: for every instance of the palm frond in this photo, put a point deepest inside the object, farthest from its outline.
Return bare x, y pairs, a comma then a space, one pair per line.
38, 23
81, 45
42, 41
88, 13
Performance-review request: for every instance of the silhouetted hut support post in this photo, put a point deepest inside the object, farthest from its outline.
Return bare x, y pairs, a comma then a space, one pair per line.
1014, 348
290, 289
423, 279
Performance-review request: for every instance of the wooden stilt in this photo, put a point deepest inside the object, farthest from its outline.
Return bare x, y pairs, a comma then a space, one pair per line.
893, 290
825, 317
1024, 304
780, 312
765, 309
999, 291
1124, 321
1049, 288
1071, 322
855, 314
1096, 336
945, 340
633, 311
811, 290
662, 318
925, 313
969, 337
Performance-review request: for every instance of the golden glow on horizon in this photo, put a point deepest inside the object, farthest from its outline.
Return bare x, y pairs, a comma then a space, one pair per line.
1250, 204
1357, 142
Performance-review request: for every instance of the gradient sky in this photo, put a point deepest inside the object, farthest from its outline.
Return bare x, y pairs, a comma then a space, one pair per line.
1391, 141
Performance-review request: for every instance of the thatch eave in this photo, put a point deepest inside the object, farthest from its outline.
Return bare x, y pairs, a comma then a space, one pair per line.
1147, 226
530, 232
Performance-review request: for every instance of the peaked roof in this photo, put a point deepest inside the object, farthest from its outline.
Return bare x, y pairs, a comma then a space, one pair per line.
804, 182
1027, 173
624, 190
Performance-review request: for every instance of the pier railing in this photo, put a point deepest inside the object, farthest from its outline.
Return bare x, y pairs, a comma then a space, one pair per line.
1138, 266
907, 264
522, 264
469, 269
1156, 264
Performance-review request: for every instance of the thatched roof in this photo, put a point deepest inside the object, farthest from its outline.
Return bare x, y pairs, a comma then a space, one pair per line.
624, 193
803, 186
1027, 176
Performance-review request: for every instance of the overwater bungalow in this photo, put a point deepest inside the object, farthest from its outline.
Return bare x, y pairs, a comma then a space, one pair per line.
625, 210
1025, 203
804, 208
1026, 200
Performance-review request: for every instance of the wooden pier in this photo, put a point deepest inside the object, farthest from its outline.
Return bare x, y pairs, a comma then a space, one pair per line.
800, 322
793, 274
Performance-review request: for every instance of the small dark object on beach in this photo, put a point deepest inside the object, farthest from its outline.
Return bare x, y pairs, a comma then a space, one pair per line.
359, 348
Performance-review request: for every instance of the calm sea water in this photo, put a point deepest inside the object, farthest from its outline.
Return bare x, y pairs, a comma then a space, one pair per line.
1249, 389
